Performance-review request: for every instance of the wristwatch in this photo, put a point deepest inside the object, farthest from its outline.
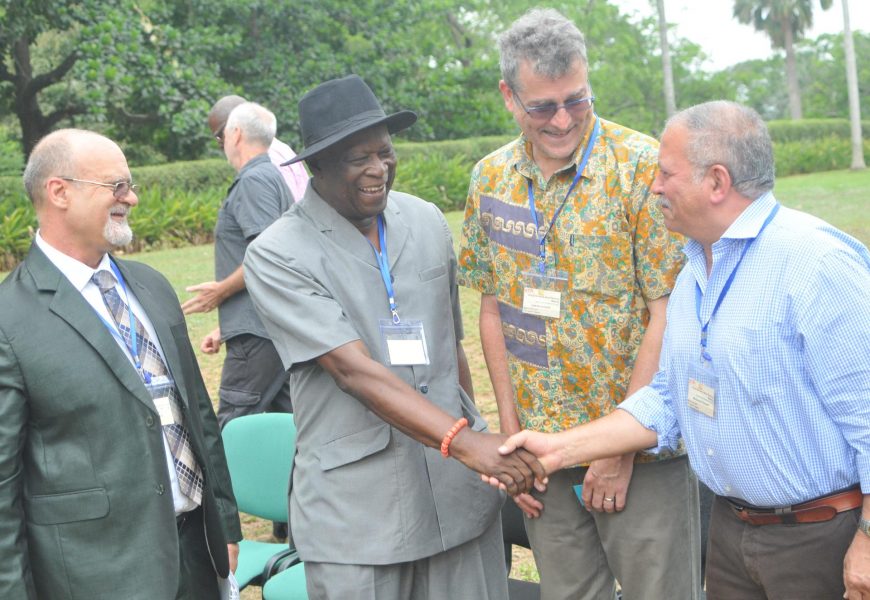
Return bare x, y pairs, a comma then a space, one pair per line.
864, 526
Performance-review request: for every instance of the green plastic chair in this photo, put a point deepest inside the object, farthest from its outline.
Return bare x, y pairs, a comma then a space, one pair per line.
260, 450
287, 585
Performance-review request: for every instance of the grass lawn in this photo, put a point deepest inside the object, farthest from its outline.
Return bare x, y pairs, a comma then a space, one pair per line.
839, 197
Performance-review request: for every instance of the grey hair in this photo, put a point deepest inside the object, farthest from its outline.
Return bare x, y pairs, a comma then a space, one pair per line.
544, 37
52, 156
734, 136
257, 123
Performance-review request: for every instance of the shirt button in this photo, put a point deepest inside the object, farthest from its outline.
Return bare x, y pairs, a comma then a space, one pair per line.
727, 488
424, 389
709, 452
160, 489
149, 421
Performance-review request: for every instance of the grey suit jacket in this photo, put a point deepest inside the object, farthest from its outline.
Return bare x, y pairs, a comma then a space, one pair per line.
363, 492
85, 501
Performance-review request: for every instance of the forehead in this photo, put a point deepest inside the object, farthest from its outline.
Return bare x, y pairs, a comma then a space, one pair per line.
673, 144
367, 140
102, 159
536, 86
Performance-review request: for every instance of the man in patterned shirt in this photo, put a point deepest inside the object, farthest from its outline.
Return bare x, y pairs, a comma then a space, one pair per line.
564, 241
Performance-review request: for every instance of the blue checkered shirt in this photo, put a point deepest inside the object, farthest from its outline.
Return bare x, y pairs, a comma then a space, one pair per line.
790, 346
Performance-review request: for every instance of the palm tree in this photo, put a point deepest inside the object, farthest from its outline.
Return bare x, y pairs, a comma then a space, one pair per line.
784, 21
667, 70
852, 81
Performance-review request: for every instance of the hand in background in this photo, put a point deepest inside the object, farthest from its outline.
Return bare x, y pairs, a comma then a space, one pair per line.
206, 300
211, 343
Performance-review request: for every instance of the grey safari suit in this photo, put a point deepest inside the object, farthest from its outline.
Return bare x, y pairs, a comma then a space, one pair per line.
362, 491
86, 508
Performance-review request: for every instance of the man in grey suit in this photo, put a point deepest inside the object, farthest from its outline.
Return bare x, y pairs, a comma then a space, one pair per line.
356, 285
113, 482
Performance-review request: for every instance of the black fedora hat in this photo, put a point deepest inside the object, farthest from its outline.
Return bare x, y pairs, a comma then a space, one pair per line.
337, 109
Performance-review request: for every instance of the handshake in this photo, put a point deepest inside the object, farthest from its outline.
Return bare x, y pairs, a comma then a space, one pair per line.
514, 464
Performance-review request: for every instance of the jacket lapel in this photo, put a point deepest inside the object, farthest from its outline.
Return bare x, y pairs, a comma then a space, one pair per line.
69, 305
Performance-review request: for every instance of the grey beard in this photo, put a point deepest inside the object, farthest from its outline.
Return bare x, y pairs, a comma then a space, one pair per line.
118, 234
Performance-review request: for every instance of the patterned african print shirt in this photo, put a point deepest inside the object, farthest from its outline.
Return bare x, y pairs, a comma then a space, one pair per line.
610, 239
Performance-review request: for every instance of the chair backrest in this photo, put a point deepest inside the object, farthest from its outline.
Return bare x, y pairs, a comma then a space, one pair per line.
260, 450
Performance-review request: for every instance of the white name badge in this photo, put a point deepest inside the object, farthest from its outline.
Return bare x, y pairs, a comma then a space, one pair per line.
164, 409
542, 293
702, 390
542, 303
404, 343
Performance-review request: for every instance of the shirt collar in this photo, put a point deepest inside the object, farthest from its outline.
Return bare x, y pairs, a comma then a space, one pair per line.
526, 166
78, 273
260, 158
749, 222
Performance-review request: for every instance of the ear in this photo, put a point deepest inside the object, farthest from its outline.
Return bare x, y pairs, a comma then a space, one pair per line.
507, 94
57, 192
720, 182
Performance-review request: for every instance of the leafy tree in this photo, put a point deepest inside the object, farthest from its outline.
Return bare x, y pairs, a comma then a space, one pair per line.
22, 22
784, 21
852, 83
667, 69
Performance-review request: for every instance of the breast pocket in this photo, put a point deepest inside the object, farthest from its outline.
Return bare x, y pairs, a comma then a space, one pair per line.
602, 265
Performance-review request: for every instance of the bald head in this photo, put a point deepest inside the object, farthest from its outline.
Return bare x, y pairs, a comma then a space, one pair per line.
220, 112
60, 154
732, 135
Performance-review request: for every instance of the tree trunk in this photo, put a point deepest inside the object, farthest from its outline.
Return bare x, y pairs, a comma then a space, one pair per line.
667, 70
794, 89
852, 83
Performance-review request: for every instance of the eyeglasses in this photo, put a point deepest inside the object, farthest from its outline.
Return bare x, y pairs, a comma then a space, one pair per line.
545, 112
219, 136
119, 189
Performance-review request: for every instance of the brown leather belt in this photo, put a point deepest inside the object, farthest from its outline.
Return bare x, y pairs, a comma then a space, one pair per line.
814, 511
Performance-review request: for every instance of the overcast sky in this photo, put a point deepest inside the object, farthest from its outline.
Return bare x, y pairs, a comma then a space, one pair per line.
709, 24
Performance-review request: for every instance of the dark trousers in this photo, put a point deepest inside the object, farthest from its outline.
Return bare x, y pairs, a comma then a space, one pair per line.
253, 379
197, 579
776, 562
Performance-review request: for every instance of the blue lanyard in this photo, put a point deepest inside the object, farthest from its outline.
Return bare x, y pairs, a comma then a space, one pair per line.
384, 264
133, 347
705, 326
542, 241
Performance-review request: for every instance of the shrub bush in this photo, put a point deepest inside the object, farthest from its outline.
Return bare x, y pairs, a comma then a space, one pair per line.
811, 156
813, 129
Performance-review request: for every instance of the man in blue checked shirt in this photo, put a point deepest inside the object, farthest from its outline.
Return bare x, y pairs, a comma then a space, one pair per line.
765, 371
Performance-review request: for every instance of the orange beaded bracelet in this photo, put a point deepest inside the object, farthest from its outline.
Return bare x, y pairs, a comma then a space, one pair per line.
448, 437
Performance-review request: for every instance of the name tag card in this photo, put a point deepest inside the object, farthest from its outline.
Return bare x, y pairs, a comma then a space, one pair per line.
404, 343
702, 387
160, 388
164, 409
542, 293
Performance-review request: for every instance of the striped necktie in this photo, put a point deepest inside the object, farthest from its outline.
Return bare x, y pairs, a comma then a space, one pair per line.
186, 467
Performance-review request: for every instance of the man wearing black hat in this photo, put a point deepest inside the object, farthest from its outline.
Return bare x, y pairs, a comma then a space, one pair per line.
356, 286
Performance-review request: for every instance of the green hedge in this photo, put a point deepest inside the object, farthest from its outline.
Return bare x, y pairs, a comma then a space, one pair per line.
179, 201
813, 129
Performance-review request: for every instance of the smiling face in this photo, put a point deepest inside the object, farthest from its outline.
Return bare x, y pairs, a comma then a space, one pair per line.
355, 175
555, 140
95, 222
682, 197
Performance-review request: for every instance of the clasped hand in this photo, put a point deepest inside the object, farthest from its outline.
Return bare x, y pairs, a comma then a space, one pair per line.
514, 472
